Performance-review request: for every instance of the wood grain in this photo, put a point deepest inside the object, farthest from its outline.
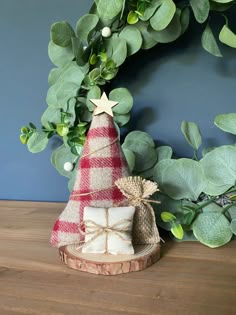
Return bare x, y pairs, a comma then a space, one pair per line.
188, 279
102, 264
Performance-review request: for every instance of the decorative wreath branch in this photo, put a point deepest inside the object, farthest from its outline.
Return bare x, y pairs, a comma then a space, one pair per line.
198, 198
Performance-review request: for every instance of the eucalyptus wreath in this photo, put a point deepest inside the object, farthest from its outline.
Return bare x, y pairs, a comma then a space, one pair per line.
198, 200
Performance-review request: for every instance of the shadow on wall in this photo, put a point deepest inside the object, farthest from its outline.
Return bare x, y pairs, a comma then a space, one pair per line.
180, 81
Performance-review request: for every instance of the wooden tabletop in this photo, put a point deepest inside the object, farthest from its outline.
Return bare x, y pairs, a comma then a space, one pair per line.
188, 279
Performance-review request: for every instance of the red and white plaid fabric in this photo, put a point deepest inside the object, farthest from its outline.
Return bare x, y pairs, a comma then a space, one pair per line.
97, 171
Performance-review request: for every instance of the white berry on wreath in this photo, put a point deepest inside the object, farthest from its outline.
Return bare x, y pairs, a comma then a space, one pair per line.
106, 31
68, 166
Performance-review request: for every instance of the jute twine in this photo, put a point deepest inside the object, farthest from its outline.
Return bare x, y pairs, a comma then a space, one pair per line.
95, 230
100, 149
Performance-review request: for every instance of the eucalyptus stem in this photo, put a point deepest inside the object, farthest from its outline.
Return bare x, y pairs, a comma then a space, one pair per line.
206, 203
195, 157
212, 199
228, 207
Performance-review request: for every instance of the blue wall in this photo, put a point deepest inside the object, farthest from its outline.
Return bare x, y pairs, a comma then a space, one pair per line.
169, 84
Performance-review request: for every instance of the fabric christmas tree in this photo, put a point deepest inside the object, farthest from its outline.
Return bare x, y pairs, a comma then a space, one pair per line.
101, 164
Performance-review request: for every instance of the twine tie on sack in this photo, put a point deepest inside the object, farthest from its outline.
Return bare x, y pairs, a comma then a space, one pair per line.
97, 230
137, 190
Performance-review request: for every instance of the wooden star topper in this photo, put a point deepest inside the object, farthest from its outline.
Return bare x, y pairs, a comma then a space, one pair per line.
103, 105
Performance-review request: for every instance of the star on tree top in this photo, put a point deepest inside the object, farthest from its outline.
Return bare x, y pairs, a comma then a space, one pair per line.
103, 105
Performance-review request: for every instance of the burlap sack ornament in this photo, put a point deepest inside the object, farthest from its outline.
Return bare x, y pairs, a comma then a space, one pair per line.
101, 164
138, 190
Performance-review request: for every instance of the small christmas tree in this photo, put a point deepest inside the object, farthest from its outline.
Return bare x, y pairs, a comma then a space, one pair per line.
98, 219
101, 164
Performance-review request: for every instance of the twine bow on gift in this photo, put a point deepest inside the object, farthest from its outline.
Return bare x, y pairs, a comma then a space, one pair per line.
95, 230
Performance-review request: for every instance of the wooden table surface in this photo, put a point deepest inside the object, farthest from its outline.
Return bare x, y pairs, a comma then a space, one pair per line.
189, 278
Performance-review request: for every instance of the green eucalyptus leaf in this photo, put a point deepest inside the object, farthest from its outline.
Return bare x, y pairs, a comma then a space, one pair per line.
212, 207
226, 122
102, 21
94, 76
108, 74
24, 138
133, 39
58, 55
108, 47
207, 150
219, 169
93, 59
84, 113
186, 216
233, 198
108, 9
54, 75
82, 55
124, 99
163, 16
164, 152
61, 33
141, 7
24, 130
148, 173
200, 9
51, 115
66, 86
32, 126
62, 129
232, 212
110, 64
130, 158
102, 56
132, 18
60, 156
192, 134
37, 141
145, 155
70, 111
77, 149
179, 179
167, 205
93, 93
177, 231
221, 7
233, 226
184, 19
209, 42
170, 33
146, 32
159, 177
223, 1
85, 26
212, 229
137, 135
121, 120
119, 50
167, 216
150, 10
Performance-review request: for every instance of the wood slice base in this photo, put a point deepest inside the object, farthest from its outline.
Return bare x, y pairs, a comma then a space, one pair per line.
106, 264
